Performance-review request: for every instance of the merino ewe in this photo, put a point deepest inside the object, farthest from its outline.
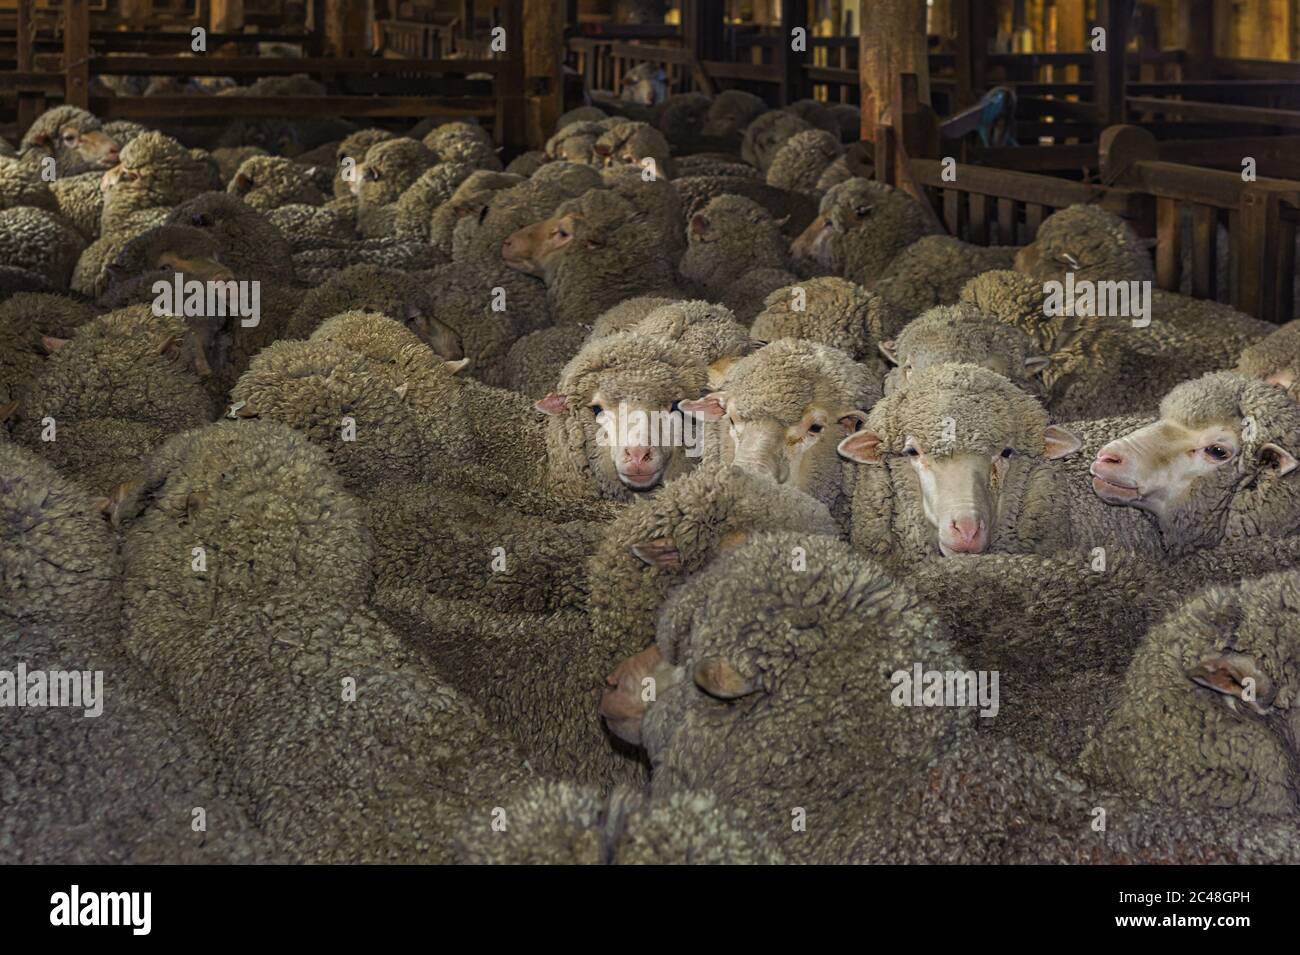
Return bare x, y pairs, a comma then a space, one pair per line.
155, 173
792, 210
730, 114
799, 164
593, 253
785, 407
39, 250
351, 153
705, 330
785, 702
765, 136
61, 613
958, 462
470, 199
727, 241
270, 632
830, 311
416, 205
634, 144
389, 169
247, 241
955, 334
1090, 242
73, 137
1207, 716
933, 270
267, 182
122, 385
562, 823
32, 324
81, 201
21, 185
862, 227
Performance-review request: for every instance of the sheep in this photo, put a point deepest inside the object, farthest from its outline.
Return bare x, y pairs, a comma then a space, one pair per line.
626, 314
716, 164
463, 143
389, 169
580, 114
1090, 242
61, 611
785, 408
526, 163
351, 153
962, 334
1206, 717
934, 269
731, 113
1218, 466
862, 227
229, 159
817, 113
533, 363
470, 198
561, 823
155, 173
726, 241
265, 182
792, 209
637, 144
708, 331
272, 633
369, 288
799, 163
959, 461
117, 389
39, 250
656, 199
830, 311
765, 136
784, 707
682, 117
585, 253
306, 227
574, 142
247, 241
73, 137
436, 185
6, 149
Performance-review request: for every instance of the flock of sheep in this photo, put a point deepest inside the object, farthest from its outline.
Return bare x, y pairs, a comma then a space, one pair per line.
670, 495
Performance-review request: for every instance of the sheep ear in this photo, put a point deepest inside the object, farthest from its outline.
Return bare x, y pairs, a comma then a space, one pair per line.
50, 345
1036, 364
718, 370
1234, 674
241, 409
717, 676
455, 366
660, 552
853, 421
602, 149
1277, 457
117, 497
7, 411
1059, 443
1283, 379
710, 408
554, 403
41, 139
699, 224
864, 447
889, 349
441, 337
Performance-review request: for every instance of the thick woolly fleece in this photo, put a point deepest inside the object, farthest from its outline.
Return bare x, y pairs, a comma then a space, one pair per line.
1090, 242
957, 334
416, 205
1175, 738
43, 138
267, 182
800, 162
268, 647
831, 311
121, 386
551, 823
704, 329
533, 364
770, 391
61, 611
24, 318
865, 225
363, 288
932, 271
656, 198
696, 518
1278, 353
792, 210
635, 144
809, 633
81, 202
248, 243
156, 173
351, 153
39, 250
21, 185
765, 136
470, 199
955, 409
728, 238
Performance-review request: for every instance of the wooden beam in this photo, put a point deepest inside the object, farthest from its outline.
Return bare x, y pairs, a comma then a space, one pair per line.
543, 57
512, 115
892, 42
702, 28
284, 107
76, 52
1196, 36
29, 106
1109, 67
226, 16
1217, 111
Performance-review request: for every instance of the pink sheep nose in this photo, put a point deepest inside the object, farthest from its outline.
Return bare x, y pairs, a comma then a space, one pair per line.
1109, 456
508, 246
638, 457
966, 535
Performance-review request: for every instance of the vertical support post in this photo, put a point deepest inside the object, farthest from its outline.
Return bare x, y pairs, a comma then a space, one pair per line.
76, 52
512, 107
1196, 36
1109, 72
29, 106
794, 13
893, 42
226, 16
543, 60
964, 59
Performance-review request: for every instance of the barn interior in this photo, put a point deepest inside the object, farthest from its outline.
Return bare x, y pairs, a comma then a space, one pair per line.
649, 431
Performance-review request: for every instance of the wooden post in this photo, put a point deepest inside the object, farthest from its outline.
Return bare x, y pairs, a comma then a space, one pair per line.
467, 19
1196, 36
543, 61
29, 106
702, 28
76, 52
964, 59
226, 16
892, 43
345, 28
794, 13
1071, 32
1108, 72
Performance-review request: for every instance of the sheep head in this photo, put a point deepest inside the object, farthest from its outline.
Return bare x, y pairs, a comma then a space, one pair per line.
1218, 464
645, 84
862, 225
1090, 242
75, 140
962, 443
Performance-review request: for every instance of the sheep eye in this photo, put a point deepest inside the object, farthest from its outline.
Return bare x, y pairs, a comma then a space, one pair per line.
597, 410
815, 429
862, 211
1008, 452
911, 452
372, 174
199, 219
1218, 452
562, 233
69, 138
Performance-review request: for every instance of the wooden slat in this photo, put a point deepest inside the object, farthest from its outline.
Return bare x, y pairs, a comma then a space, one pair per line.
76, 52
277, 107
1169, 238
1204, 251
1006, 222
1193, 109
1034, 215
980, 222
272, 65
1026, 187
